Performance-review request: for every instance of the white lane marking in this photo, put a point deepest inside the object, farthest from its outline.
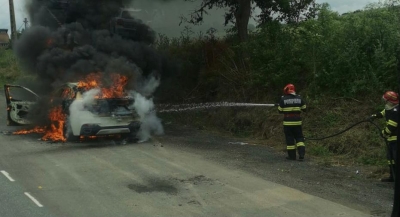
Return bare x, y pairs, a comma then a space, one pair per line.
33, 199
7, 175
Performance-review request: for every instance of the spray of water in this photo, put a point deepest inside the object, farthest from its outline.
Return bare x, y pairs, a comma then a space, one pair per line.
164, 108
150, 123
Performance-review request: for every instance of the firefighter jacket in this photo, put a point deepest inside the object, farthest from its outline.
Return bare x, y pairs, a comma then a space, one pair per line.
291, 106
391, 116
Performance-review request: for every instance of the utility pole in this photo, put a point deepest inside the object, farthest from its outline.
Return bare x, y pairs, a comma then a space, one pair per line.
12, 21
26, 22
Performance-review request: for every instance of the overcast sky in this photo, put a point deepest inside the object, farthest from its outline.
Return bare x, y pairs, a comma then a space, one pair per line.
341, 6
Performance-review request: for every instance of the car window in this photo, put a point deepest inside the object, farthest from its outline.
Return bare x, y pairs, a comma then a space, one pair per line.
20, 94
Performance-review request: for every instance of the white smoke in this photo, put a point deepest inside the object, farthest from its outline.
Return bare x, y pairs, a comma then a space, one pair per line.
151, 124
78, 112
148, 86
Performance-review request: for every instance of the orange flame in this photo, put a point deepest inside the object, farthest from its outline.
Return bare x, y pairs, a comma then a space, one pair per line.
115, 90
37, 129
55, 131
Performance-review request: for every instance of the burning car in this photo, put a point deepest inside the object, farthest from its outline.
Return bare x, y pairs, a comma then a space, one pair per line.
78, 111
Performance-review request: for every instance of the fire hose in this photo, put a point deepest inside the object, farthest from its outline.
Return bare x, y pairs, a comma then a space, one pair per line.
390, 154
345, 130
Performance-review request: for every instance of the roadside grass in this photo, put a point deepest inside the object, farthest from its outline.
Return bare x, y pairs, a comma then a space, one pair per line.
9, 68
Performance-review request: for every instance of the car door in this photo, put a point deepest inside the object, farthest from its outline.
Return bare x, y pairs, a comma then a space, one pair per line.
19, 100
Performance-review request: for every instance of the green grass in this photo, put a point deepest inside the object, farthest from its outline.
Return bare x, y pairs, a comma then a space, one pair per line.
330, 119
318, 150
9, 68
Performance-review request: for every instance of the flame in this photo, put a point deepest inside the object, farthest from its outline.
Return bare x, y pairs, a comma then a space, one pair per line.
37, 129
55, 131
115, 90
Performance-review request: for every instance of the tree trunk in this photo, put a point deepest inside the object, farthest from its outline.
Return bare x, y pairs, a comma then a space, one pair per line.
242, 16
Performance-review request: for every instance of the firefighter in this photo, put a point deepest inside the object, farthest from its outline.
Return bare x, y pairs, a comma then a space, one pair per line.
291, 105
390, 113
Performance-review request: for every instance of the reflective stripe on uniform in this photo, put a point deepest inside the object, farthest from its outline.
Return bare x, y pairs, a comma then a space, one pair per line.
392, 138
392, 123
300, 144
290, 109
292, 123
391, 162
303, 107
291, 147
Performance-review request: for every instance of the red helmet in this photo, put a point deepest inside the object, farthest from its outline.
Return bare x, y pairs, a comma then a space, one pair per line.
289, 89
391, 96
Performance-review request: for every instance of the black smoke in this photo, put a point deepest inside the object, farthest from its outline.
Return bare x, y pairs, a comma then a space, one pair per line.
65, 43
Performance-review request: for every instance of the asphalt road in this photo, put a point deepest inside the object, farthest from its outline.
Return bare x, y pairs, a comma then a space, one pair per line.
155, 178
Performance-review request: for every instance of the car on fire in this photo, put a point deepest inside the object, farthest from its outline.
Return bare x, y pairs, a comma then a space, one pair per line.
102, 117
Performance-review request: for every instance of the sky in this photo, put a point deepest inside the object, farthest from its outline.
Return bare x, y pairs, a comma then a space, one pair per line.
341, 6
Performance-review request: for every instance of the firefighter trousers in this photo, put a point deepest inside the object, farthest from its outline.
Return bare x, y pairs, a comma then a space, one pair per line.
294, 140
391, 156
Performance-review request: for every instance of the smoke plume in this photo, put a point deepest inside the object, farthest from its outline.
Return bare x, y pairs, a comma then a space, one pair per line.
66, 43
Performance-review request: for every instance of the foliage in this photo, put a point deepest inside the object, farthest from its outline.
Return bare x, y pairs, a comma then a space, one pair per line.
239, 12
9, 69
318, 150
341, 55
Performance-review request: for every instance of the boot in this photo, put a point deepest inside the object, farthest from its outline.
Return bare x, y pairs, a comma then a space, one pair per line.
390, 178
302, 152
291, 155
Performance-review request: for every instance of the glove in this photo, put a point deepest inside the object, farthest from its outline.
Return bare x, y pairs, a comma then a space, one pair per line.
371, 118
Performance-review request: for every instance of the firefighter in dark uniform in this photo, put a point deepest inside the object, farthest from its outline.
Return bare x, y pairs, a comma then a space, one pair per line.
291, 105
390, 113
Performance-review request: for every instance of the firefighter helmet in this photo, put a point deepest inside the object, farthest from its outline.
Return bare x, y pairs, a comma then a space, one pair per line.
390, 96
289, 89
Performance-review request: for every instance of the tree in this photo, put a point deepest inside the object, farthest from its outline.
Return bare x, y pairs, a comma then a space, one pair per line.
240, 11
